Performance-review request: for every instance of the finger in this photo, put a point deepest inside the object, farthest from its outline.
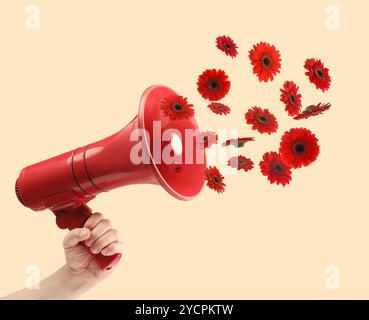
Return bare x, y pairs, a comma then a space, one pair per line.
75, 236
106, 239
93, 220
113, 248
102, 227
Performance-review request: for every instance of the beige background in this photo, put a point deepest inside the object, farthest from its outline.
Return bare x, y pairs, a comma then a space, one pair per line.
80, 77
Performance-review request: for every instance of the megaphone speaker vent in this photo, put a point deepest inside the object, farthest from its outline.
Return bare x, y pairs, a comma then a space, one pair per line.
17, 192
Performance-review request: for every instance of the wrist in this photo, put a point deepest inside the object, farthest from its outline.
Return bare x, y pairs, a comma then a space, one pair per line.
76, 282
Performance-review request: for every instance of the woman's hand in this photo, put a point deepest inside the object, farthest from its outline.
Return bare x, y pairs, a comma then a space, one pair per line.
99, 237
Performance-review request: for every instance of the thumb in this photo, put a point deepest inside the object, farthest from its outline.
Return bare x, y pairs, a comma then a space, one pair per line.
75, 236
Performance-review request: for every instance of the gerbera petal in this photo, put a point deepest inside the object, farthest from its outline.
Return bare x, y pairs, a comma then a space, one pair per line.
238, 143
299, 147
318, 74
291, 98
266, 61
227, 45
261, 120
273, 167
313, 110
176, 107
207, 139
219, 108
241, 163
213, 84
214, 179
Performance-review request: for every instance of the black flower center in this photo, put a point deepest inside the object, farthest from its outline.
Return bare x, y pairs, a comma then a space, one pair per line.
266, 61
263, 119
292, 98
177, 168
299, 148
215, 179
241, 161
219, 107
278, 167
213, 84
319, 73
227, 46
177, 107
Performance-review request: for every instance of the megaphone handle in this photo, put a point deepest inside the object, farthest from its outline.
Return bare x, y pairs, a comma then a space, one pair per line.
75, 217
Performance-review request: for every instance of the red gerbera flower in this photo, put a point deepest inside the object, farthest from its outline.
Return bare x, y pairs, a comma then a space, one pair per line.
313, 110
219, 108
214, 179
262, 120
318, 74
275, 169
266, 61
176, 107
291, 98
227, 45
239, 142
299, 147
213, 84
207, 139
240, 163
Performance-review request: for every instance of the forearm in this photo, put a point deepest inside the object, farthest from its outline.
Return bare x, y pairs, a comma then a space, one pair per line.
80, 273
59, 286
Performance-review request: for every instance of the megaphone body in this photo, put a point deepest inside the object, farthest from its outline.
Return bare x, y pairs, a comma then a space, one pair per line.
66, 183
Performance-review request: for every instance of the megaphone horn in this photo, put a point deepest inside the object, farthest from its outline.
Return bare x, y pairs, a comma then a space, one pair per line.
65, 183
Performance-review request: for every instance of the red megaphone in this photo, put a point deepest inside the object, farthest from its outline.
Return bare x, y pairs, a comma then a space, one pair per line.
65, 183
